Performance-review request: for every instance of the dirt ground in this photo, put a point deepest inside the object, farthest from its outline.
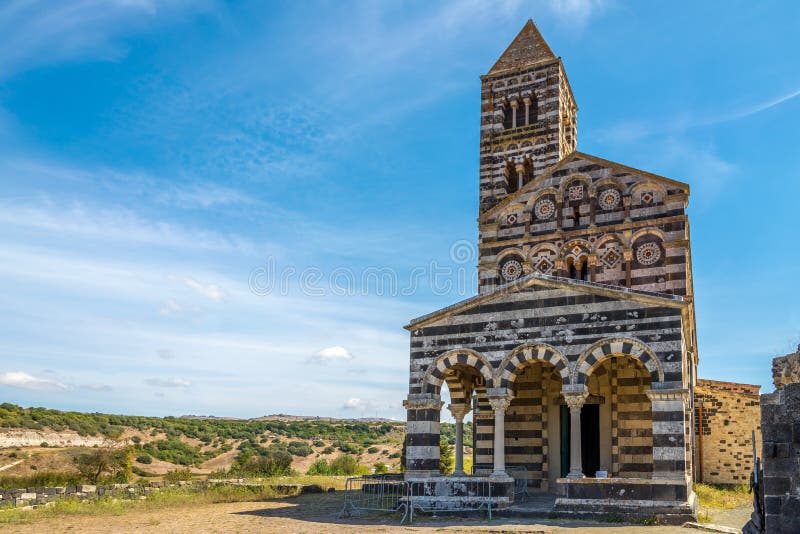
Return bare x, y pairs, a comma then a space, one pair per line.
319, 513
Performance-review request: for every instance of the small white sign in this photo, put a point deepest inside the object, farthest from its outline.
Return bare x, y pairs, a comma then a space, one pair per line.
601, 474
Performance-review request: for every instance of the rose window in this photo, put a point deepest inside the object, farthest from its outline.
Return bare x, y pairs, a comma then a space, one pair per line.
544, 209
648, 254
609, 199
511, 270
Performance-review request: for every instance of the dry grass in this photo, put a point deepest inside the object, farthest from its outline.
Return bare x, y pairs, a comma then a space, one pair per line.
172, 497
718, 497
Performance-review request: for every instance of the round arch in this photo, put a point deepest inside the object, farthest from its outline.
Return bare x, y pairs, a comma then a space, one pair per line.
617, 346
435, 375
530, 352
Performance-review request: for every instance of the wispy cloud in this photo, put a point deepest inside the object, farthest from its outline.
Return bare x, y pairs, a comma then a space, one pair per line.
168, 382
97, 387
34, 33
23, 380
210, 291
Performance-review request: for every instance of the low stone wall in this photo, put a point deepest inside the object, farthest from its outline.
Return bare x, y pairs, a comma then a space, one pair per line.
33, 497
671, 501
39, 496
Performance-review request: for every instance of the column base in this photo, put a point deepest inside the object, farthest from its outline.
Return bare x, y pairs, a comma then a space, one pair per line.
576, 475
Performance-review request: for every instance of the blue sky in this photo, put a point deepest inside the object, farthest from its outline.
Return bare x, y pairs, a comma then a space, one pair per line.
159, 160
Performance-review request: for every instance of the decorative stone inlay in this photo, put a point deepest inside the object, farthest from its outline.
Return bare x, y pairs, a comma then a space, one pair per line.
544, 266
648, 197
575, 192
511, 270
610, 199
648, 253
511, 218
544, 209
611, 258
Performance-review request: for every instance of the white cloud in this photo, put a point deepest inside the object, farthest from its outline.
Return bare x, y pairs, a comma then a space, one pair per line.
357, 404
168, 382
22, 380
210, 291
332, 354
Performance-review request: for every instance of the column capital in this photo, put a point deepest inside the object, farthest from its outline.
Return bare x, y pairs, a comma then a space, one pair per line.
500, 403
575, 399
423, 401
459, 411
627, 254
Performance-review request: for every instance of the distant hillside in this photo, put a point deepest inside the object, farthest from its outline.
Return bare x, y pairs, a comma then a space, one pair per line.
49, 439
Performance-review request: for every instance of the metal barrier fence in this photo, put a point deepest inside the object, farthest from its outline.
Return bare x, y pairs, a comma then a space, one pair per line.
468, 494
376, 493
392, 494
520, 476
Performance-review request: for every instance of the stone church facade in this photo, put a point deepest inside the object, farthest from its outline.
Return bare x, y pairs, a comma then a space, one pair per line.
578, 355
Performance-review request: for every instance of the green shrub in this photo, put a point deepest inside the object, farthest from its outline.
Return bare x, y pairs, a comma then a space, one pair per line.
45, 479
319, 443
178, 475
381, 468
395, 455
263, 462
320, 467
347, 465
136, 440
373, 450
44, 444
299, 448
105, 464
144, 459
329, 450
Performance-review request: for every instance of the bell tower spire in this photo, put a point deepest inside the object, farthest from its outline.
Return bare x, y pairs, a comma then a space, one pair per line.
528, 116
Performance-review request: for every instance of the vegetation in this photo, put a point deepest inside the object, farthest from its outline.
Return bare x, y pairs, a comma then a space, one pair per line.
447, 458
344, 465
40, 480
448, 432
206, 430
722, 497
105, 464
178, 475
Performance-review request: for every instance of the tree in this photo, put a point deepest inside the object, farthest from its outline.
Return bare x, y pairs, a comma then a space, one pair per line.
115, 463
381, 468
446, 457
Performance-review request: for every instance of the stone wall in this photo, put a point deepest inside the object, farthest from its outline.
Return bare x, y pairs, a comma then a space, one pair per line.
780, 425
725, 416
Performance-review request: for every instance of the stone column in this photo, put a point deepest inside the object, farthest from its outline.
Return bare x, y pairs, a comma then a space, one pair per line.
592, 208
520, 167
575, 402
592, 267
627, 256
422, 434
459, 411
527, 110
669, 432
500, 405
514, 105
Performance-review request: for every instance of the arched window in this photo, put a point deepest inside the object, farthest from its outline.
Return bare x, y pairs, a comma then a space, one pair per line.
507, 116
512, 178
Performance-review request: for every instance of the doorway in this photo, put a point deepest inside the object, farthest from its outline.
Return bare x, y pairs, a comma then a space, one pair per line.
590, 439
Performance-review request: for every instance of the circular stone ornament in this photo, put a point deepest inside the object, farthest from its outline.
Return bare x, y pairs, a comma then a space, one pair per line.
610, 199
648, 254
544, 209
511, 270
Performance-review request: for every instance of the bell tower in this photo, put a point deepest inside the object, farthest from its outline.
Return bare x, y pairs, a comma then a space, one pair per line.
528, 117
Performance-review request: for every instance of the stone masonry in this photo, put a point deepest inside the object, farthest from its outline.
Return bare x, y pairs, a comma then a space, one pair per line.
780, 426
726, 414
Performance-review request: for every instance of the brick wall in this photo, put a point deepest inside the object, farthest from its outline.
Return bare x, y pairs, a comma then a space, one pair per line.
725, 416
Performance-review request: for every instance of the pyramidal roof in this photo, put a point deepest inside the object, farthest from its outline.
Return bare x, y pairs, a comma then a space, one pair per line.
527, 48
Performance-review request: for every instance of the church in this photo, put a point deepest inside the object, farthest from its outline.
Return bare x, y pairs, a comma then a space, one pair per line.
578, 356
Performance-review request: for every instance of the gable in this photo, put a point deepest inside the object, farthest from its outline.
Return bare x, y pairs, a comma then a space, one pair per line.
537, 291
